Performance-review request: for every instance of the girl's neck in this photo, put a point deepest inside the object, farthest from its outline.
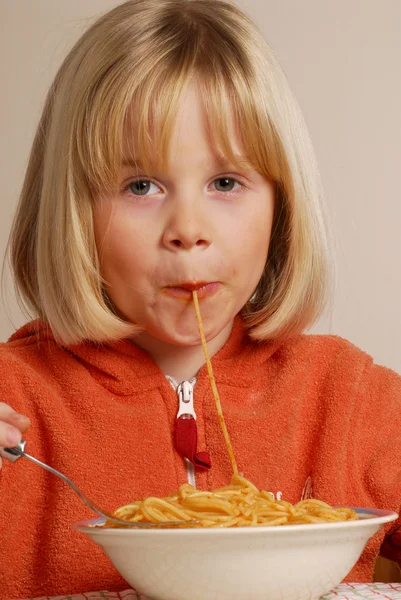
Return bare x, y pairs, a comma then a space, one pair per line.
181, 362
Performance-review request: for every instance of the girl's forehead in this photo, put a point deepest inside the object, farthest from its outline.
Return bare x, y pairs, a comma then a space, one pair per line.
149, 139
156, 158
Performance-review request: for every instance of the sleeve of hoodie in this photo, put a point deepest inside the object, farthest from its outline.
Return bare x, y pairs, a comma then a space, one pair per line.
23, 378
16, 381
377, 443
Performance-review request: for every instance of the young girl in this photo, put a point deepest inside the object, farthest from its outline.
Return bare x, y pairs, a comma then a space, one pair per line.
170, 157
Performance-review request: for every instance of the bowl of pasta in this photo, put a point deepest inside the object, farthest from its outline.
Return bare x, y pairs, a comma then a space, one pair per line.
245, 546
236, 542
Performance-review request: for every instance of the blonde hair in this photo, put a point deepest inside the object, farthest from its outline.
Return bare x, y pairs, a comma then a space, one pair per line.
134, 63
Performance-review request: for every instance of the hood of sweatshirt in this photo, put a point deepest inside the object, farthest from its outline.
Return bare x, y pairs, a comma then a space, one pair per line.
121, 365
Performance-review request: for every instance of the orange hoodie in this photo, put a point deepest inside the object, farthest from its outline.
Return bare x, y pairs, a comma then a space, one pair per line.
312, 411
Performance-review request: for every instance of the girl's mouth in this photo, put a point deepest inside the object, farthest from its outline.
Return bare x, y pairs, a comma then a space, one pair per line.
184, 290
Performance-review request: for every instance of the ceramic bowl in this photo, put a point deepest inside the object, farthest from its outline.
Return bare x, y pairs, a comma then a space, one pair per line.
289, 562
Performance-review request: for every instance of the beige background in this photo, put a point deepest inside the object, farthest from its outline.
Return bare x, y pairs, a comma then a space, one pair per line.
343, 60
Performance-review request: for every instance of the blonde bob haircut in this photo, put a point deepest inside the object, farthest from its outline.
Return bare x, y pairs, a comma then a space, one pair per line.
132, 66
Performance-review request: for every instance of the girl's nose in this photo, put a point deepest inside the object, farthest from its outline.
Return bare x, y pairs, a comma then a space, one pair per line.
186, 229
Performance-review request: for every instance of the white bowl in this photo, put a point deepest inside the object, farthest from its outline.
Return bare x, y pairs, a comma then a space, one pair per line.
288, 562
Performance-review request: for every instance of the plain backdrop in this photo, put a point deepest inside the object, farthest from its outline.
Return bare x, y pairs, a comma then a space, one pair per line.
343, 61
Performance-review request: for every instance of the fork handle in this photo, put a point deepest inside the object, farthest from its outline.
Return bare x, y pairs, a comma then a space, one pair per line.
14, 453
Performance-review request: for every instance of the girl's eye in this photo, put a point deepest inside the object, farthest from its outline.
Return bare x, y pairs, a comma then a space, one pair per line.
225, 184
145, 187
142, 187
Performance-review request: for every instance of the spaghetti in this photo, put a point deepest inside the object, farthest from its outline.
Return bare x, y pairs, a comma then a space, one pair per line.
238, 504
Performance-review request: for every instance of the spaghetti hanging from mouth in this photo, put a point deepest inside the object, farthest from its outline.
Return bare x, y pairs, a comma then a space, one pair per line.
238, 504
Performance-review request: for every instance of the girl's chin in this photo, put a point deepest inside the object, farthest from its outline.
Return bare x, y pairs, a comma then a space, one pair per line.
181, 338
174, 322
185, 334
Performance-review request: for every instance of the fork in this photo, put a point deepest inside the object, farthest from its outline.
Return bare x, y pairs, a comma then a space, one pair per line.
12, 454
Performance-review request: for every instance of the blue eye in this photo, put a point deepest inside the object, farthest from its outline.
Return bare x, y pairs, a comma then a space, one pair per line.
225, 184
141, 187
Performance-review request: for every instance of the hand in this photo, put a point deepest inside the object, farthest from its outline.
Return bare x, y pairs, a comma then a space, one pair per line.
12, 426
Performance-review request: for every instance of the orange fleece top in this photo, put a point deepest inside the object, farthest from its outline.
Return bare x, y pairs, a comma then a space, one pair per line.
313, 409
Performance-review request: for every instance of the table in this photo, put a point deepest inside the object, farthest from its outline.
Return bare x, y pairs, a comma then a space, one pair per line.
345, 591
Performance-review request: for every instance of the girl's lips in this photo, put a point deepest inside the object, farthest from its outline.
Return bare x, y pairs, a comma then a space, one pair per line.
185, 292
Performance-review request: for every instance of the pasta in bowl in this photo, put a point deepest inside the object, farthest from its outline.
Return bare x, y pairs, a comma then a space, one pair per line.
239, 504
239, 544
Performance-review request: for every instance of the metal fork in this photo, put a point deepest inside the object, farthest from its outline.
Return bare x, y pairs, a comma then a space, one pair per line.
12, 454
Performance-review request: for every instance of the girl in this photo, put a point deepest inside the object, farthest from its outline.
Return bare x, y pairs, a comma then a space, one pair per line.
171, 156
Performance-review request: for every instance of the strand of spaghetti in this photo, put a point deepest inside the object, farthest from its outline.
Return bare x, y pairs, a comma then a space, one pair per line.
238, 504
213, 385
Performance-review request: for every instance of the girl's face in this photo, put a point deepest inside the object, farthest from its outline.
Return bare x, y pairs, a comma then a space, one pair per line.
199, 224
